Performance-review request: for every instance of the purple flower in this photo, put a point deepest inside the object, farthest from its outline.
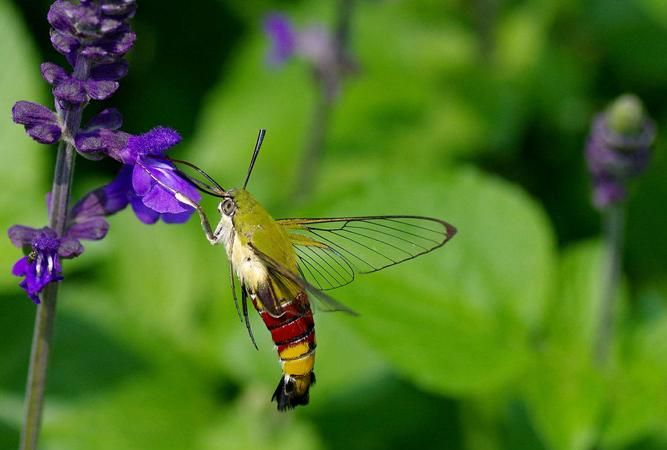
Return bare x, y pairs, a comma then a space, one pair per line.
40, 122
93, 36
282, 34
619, 148
316, 44
149, 187
96, 30
42, 264
44, 249
148, 178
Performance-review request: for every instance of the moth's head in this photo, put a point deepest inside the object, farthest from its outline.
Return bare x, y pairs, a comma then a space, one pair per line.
236, 203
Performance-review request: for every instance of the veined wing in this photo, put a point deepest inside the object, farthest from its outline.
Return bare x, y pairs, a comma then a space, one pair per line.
284, 276
332, 250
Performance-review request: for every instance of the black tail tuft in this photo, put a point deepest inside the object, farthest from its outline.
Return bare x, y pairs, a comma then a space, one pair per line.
293, 391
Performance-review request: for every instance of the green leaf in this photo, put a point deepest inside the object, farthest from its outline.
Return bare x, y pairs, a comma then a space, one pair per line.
638, 406
563, 389
24, 191
164, 410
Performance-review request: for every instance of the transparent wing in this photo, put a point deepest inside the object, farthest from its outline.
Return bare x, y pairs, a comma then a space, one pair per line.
284, 276
332, 250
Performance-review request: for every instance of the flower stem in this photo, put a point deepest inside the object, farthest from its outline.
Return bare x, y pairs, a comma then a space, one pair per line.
614, 223
320, 121
46, 310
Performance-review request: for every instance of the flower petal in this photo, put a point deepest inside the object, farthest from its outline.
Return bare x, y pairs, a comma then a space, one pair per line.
28, 113
109, 118
141, 180
153, 142
112, 72
102, 140
70, 248
177, 218
70, 90
92, 229
64, 44
101, 90
143, 213
44, 134
21, 235
61, 16
53, 73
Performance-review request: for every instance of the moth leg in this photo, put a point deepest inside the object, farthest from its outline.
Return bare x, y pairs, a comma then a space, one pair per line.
244, 303
205, 224
236, 301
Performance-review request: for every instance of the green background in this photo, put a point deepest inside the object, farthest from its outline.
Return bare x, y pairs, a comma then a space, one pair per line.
473, 111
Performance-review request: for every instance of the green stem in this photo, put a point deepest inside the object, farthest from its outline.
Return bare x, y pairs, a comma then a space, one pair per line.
320, 121
614, 224
46, 310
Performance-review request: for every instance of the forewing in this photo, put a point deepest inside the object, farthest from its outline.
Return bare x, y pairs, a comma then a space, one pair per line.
284, 276
332, 250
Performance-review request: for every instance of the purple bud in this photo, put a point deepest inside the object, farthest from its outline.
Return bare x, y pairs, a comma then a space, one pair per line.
122, 8
111, 72
281, 32
104, 201
64, 44
62, 15
92, 229
40, 122
70, 248
100, 90
102, 140
109, 118
71, 91
122, 44
53, 73
619, 147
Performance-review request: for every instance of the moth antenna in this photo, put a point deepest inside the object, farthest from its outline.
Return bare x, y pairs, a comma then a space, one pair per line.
216, 190
258, 145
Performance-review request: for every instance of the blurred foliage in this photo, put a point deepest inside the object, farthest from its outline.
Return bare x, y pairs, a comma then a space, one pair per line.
476, 112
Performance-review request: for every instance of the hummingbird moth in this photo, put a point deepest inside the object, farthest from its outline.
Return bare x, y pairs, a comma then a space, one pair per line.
284, 265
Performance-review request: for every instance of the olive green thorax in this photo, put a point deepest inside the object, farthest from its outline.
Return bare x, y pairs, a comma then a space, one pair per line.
254, 225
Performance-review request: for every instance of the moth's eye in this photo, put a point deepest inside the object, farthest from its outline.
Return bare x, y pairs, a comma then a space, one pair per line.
227, 207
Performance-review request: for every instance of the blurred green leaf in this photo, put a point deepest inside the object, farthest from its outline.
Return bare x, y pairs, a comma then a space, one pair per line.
21, 169
564, 390
164, 410
385, 413
638, 405
253, 423
457, 320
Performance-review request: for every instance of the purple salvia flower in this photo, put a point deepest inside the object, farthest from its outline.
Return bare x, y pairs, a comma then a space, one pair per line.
618, 148
44, 249
146, 171
42, 264
316, 44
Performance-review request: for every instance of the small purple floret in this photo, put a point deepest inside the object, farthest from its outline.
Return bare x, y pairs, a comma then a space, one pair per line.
42, 265
281, 31
40, 122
